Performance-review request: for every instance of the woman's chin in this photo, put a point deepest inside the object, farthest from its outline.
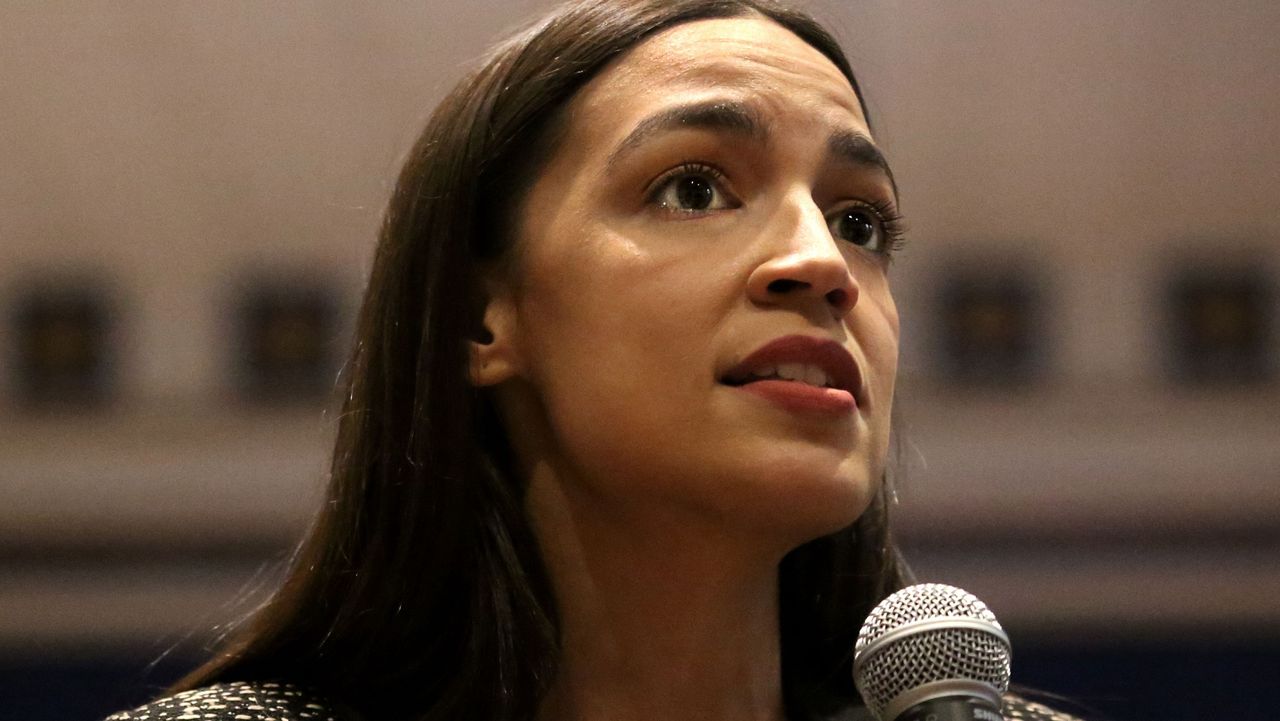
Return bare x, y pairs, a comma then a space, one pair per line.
824, 507
795, 508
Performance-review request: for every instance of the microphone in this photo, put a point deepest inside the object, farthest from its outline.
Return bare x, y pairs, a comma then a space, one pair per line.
932, 652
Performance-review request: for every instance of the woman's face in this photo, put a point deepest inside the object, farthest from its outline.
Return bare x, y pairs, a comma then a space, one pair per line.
716, 189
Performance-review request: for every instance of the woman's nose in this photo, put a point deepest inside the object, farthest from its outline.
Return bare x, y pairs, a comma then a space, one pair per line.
805, 265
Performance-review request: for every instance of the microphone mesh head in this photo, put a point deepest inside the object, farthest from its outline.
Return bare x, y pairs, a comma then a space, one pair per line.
938, 652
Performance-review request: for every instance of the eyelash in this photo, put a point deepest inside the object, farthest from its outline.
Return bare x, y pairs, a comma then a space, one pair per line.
688, 167
892, 224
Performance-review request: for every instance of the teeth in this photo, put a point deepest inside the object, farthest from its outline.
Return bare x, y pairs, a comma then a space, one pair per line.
815, 377
792, 371
811, 375
807, 374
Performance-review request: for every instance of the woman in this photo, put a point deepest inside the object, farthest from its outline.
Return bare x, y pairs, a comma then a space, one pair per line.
617, 418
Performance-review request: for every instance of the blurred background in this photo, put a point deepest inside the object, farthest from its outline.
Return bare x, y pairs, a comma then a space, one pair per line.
1088, 405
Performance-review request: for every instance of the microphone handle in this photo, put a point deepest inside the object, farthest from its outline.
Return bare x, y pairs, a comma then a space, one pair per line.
952, 708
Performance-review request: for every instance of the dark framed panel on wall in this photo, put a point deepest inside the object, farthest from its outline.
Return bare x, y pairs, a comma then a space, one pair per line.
286, 339
990, 324
1220, 324
64, 351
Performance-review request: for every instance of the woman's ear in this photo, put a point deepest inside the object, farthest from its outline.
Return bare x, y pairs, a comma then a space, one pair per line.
494, 351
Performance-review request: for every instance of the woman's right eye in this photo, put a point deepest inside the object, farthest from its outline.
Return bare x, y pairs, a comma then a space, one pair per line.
691, 189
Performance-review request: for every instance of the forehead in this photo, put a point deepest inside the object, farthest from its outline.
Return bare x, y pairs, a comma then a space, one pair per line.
752, 59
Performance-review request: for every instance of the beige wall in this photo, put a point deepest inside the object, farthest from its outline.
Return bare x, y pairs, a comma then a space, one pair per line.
178, 148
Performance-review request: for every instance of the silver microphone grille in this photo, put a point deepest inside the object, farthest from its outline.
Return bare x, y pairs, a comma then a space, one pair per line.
929, 640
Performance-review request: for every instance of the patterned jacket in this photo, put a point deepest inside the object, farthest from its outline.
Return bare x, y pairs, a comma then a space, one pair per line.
267, 701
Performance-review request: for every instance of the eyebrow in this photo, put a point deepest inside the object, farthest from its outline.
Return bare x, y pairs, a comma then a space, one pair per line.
848, 146
721, 115
857, 149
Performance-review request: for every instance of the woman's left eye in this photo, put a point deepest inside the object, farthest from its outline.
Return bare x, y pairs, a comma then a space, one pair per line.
858, 225
691, 189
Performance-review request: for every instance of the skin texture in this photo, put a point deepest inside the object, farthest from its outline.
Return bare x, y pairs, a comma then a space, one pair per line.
662, 499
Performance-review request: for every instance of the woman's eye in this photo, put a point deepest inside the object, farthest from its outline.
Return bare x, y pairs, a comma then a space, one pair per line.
859, 226
690, 192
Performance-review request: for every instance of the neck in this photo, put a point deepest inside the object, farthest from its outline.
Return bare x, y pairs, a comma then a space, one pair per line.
662, 616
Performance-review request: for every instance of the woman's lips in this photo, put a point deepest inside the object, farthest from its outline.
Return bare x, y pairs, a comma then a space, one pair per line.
801, 397
831, 357
758, 374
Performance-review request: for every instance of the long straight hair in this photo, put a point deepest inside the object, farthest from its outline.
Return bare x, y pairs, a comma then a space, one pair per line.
418, 592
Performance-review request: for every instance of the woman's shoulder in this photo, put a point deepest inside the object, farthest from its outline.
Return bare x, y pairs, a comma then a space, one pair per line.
235, 701
272, 701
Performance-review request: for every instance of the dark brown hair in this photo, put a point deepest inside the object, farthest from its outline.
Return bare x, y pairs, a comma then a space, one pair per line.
419, 592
